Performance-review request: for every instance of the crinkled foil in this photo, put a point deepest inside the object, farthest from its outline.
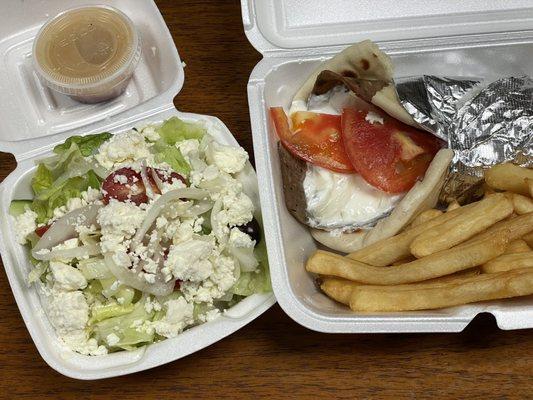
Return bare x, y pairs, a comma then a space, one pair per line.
485, 124
431, 100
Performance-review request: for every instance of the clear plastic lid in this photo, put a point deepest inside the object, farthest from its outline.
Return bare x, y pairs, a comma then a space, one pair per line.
87, 52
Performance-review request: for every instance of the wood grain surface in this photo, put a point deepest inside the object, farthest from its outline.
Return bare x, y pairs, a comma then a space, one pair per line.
273, 357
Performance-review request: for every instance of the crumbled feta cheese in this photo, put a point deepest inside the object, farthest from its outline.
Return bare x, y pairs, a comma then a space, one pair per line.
122, 148
161, 222
183, 231
373, 118
152, 305
150, 133
118, 221
216, 286
174, 184
238, 238
122, 179
91, 195
25, 224
74, 203
78, 341
188, 261
67, 311
189, 149
178, 316
150, 266
209, 315
67, 277
229, 159
150, 278
237, 210
112, 339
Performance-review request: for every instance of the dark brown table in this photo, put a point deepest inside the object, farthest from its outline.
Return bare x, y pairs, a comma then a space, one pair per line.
273, 356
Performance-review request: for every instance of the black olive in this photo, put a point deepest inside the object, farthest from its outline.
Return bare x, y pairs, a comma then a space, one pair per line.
252, 229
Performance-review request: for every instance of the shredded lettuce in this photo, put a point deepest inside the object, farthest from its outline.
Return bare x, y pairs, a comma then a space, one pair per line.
127, 328
36, 273
86, 144
94, 268
109, 311
257, 281
172, 156
175, 130
42, 180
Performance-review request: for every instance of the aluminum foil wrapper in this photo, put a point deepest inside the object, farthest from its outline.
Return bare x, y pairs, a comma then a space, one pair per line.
484, 123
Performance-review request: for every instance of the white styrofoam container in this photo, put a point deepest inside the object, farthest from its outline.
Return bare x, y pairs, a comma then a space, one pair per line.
454, 37
34, 119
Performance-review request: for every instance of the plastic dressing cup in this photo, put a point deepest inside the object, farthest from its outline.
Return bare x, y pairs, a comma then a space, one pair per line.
88, 53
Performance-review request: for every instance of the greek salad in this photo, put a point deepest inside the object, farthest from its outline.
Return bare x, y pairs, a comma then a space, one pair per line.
137, 236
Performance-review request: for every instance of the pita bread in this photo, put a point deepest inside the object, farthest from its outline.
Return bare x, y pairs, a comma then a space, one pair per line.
423, 196
366, 71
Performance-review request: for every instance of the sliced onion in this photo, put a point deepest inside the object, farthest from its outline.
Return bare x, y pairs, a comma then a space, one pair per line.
198, 209
215, 226
65, 228
146, 182
80, 168
158, 206
245, 256
98, 169
131, 278
76, 252
157, 180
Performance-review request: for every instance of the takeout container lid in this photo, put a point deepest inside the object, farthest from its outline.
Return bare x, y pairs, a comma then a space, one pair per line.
119, 41
34, 119
423, 37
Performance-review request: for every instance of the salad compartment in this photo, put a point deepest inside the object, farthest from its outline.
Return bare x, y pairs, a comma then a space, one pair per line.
67, 362
273, 82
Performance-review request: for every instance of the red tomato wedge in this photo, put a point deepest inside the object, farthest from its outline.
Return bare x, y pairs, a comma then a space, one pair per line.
391, 156
126, 184
40, 231
315, 138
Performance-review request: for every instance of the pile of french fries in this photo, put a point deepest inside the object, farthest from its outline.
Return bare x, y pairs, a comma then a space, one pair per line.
465, 254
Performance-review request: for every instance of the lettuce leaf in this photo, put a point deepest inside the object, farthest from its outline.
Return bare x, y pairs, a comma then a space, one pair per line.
86, 144
42, 180
109, 311
175, 130
58, 195
124, 327
172, 156
257, 281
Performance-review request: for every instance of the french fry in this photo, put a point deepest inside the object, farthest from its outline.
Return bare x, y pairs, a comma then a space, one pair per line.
341, 290
530, 186
522, 204
404, 260
528, 238
516, 227
517, 246
425, 216
507, 262
461, 228
439, 264
453, 206
487, 190
509, 177
338, 289
395, 248
478, 288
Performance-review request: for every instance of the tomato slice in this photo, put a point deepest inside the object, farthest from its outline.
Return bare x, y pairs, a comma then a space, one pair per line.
126, 184
315, 138
391, 156
41, 230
